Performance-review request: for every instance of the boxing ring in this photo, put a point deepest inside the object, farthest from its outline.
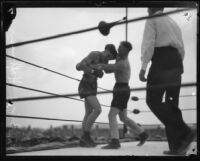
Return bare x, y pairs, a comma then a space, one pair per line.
127, 148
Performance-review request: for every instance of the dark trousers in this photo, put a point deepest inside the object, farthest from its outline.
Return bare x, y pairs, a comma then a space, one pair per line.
164, 77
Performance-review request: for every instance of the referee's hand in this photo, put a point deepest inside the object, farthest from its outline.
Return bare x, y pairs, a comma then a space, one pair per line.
142, 75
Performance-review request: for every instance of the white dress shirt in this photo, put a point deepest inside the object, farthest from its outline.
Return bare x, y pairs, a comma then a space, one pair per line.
160, 32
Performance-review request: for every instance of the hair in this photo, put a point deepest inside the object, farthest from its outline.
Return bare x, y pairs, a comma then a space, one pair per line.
153, 10
127, 45
112, 49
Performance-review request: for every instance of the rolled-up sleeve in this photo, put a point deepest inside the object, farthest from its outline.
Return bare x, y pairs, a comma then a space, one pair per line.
148, 43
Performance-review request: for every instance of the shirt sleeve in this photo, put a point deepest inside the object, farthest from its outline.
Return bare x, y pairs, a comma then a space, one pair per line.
181, 48
179, 41
148, 43
84, 65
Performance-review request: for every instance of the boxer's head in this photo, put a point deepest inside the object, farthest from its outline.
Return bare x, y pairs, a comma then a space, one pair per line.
112, 51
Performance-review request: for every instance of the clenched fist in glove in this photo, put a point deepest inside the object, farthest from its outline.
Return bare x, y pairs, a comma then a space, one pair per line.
97, 73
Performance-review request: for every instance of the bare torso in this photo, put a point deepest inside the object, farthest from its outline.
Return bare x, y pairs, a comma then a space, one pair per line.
122, 75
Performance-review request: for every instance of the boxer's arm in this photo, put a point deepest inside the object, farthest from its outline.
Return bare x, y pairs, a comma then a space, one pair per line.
84, 65
110, 68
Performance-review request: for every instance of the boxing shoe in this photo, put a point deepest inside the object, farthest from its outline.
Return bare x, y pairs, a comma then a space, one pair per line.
142, 137
114, 144
86, 141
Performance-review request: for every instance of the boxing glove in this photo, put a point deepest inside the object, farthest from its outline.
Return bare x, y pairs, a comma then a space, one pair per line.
97, 73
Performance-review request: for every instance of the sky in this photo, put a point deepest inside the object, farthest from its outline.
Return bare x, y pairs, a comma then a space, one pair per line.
64, 53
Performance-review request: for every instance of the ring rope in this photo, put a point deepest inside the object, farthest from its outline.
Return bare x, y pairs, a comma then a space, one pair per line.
36, 90
187, 95
60, 96
49, 70
183, 109
93, 28
100, 92
50, 37
45, 118
10, 100
155, 16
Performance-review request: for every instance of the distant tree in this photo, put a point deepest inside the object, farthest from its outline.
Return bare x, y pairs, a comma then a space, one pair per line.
28, 128
72, 130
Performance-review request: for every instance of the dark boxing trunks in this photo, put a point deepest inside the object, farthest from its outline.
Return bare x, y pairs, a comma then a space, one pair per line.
121, 94
87, 86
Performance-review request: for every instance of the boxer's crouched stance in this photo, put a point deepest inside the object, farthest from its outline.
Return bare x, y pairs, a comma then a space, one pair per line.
88, 89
